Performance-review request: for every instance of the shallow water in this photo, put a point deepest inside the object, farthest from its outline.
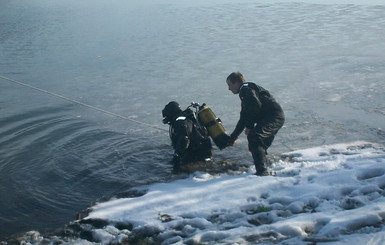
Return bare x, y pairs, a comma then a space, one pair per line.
324, 64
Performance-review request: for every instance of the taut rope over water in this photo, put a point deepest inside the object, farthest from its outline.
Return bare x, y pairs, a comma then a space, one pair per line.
81, 103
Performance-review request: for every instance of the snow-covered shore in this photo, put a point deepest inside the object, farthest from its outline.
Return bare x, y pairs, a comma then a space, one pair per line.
325, 195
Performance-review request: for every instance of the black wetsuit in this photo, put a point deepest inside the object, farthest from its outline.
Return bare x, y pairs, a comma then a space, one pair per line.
264, 116
190, 141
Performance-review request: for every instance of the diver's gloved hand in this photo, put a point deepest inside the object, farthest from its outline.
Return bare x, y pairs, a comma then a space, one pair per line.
229, 141
232, 140
176, 160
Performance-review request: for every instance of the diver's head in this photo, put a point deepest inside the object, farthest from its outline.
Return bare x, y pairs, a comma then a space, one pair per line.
234, 81
171, 111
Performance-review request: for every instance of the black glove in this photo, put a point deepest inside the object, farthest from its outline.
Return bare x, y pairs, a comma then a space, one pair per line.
232, 140
176, 160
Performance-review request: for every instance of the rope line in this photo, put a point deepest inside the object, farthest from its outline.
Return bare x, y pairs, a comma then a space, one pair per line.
81, 103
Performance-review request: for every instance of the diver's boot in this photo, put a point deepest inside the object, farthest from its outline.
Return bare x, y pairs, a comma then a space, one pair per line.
260, 160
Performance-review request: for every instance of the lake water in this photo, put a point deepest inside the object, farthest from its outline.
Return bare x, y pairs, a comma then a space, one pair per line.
325, 63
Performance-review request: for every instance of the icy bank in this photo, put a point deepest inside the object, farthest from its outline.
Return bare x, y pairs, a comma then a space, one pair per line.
325, 194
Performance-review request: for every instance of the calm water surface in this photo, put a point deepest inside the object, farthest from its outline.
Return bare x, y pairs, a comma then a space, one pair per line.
324, 63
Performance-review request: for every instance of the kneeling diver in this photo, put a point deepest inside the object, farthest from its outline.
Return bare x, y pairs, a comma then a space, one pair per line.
189, 139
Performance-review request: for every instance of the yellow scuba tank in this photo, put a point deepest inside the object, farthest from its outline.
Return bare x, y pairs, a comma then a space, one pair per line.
214, 126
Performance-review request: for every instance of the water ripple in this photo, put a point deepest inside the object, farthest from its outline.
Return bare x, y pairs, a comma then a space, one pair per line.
54, 164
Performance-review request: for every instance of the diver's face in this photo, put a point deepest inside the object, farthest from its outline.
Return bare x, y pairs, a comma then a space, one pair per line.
233, 87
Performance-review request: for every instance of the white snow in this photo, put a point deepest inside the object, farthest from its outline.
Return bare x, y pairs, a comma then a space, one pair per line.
325, 195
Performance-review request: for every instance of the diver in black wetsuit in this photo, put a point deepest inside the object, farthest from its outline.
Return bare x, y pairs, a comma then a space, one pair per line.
261, 117
190, 140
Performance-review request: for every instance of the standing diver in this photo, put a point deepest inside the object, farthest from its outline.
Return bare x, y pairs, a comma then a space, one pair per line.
189, 139
261, 117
